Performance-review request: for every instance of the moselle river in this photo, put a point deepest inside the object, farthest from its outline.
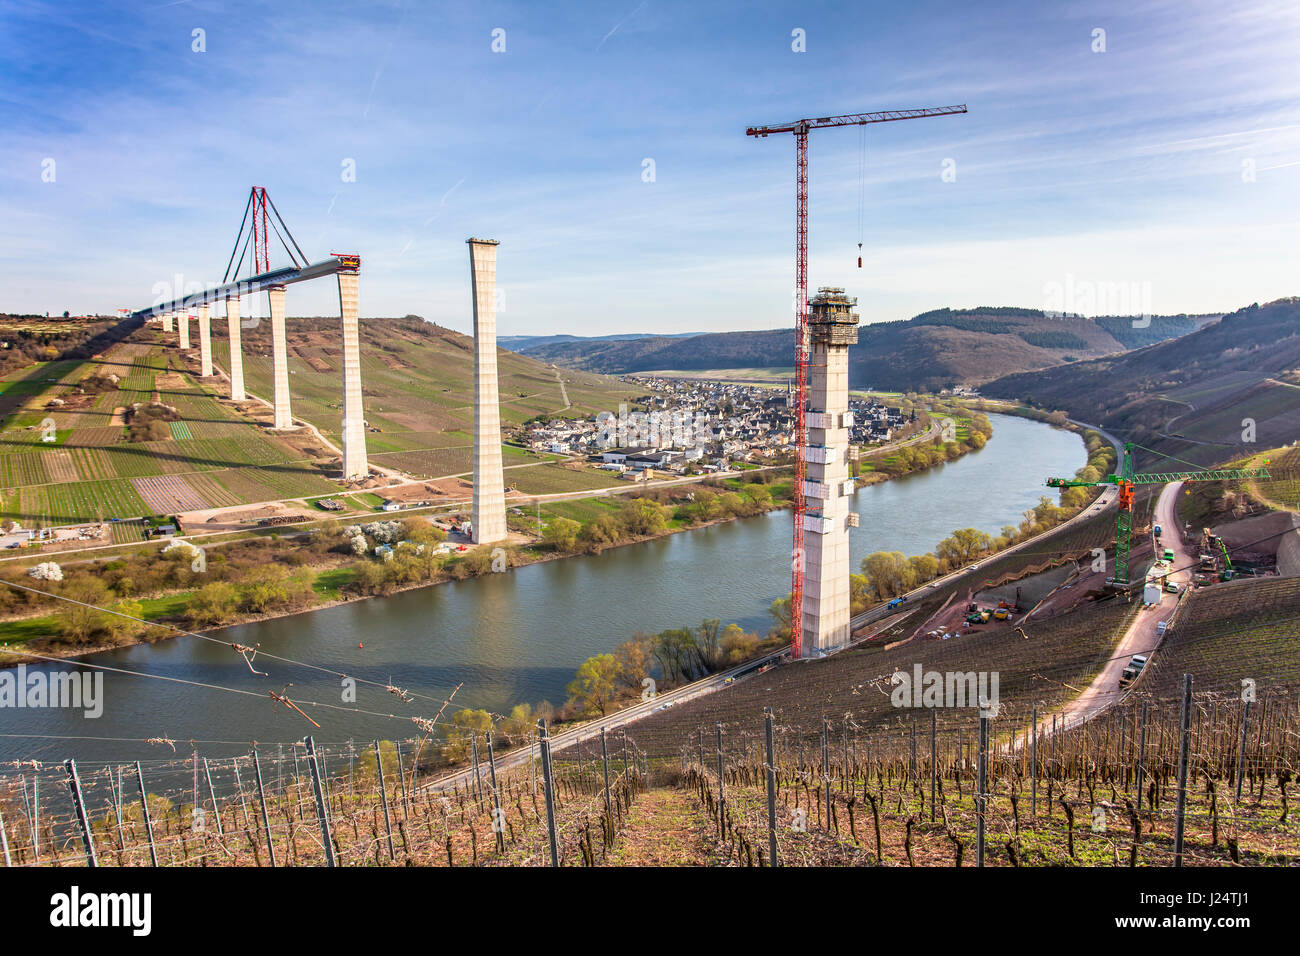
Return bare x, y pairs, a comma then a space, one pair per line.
516, 636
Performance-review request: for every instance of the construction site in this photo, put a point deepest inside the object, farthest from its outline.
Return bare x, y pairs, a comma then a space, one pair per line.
960, 529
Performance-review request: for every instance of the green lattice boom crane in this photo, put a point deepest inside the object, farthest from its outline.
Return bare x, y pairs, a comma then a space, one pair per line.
1127, 479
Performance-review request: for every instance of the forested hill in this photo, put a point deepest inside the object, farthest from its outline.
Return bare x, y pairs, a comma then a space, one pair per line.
933, 350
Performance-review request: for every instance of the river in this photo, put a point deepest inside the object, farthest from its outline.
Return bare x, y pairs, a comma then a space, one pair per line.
516, 636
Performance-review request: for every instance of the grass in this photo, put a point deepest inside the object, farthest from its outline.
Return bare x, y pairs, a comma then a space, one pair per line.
554, 479
329, 584
47, 625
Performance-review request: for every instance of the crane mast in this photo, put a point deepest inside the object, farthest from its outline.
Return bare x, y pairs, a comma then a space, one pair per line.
801, 129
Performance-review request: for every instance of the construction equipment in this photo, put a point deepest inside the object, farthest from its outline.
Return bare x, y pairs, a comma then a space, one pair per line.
1125, 482
1229, 572
801, 129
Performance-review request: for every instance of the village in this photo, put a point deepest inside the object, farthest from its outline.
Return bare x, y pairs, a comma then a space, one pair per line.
699, 427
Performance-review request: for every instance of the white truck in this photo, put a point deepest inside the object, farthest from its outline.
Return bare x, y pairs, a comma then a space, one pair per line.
1151, 593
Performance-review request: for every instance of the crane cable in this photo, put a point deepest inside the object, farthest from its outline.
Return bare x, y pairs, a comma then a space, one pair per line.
862, 188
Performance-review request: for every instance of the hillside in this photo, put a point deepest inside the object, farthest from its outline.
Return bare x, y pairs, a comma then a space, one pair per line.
1230, 631
417, 380
527, 344
1190, 396
931, 351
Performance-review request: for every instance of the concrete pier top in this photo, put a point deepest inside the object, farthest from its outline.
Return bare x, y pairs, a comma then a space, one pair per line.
483, 242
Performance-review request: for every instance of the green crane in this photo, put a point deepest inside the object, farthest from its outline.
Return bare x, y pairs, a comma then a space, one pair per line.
1228, 571
1125, 481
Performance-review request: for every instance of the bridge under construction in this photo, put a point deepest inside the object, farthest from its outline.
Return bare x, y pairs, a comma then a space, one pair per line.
252, 245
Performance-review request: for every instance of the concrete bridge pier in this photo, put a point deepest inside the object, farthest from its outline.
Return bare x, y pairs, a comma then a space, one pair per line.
489, 509
183, 327
279, 359
236, 350
167, 322
205, 342
355, 463
828, 491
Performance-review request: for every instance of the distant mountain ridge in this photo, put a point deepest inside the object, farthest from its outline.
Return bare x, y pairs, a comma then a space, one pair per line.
936, 349
523, 344
1231, 383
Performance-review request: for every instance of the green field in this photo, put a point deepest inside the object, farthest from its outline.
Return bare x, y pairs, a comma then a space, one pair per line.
554, 479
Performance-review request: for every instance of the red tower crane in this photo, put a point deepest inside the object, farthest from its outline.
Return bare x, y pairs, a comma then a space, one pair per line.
801, 128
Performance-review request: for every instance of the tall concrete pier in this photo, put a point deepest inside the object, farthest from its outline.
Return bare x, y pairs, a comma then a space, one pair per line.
279, 359
167, 321
355, 464
183, 327
833, 327
205, 342
236, 350
489, 512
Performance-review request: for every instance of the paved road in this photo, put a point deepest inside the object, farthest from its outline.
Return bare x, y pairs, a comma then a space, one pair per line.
1108, 497
591, 729
1141, 636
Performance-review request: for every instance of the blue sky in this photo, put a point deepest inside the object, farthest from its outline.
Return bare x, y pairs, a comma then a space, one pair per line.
1169, 162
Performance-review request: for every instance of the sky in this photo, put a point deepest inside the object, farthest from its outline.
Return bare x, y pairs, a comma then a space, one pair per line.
1121, 156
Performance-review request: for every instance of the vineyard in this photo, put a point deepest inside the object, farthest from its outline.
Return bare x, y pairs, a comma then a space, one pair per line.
213, 457
1202, 780
1114, 792
1235, 631
1058, 656
274, 808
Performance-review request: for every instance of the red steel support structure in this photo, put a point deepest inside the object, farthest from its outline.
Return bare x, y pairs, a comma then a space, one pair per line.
801, 128
261, 252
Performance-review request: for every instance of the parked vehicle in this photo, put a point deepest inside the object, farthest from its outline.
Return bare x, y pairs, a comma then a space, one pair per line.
1168, 555
1135, 665
1162, 627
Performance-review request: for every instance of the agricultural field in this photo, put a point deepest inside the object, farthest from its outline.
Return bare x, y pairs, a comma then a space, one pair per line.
1248, 629
458, 460
212, 456
126, 532
554, 479
75, 502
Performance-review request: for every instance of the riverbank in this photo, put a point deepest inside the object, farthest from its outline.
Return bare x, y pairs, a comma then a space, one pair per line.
659, 513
